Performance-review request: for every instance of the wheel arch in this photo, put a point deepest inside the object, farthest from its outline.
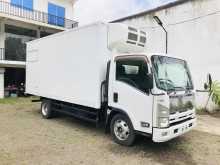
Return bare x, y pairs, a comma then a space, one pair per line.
113, 112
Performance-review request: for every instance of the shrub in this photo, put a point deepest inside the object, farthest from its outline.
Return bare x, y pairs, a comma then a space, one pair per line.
214, 92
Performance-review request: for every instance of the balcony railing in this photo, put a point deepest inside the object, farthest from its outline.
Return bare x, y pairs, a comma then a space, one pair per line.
39, 16
9, 56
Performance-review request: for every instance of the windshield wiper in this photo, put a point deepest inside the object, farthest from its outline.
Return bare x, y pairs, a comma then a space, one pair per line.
187, 88
180, 88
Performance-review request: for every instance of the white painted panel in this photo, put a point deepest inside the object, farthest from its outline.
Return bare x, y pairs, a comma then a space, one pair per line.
71, 65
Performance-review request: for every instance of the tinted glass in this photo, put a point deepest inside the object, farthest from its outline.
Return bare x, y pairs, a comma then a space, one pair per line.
133, 72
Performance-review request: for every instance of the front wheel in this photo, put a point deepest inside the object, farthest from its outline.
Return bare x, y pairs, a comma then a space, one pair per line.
122, 130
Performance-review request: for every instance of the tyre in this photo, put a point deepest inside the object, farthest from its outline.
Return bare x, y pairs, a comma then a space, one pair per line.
122, 130
46, 110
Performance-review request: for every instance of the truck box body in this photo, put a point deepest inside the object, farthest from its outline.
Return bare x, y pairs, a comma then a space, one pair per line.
69, 66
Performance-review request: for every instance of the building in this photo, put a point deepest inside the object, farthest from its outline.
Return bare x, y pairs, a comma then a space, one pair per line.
22, 21
193, 33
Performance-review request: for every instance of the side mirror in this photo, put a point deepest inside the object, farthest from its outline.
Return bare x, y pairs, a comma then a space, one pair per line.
209, 79
208, 84
150, 81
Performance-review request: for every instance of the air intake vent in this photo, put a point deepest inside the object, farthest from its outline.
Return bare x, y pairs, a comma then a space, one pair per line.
143, 39
144, 33
133, 37
132, 29
136, 37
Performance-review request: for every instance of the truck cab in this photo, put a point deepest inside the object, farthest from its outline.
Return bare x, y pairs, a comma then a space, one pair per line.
152, 94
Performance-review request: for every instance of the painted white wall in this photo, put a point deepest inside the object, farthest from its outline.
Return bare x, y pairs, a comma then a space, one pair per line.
2, 83
197, 41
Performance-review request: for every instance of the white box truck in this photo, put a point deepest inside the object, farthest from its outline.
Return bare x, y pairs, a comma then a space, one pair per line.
101, 74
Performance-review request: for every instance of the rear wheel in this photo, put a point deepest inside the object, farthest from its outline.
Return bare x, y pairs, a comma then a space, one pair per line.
122, 130
46, 110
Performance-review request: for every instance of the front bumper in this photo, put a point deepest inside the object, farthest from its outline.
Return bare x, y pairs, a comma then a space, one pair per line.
163, 135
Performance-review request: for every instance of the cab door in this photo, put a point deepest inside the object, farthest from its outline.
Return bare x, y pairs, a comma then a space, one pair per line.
129, 90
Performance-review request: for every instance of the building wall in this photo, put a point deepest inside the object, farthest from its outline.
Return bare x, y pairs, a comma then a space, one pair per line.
18, 22
2, 70
42, 5
194, 29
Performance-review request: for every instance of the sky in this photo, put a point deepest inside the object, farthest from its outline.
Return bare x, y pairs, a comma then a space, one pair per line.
88, 11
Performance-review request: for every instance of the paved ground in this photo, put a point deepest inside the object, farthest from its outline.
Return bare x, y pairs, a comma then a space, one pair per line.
26, 138
209, 124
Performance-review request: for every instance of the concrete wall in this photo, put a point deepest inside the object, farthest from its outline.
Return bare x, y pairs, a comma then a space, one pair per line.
42, 5
1, 83
194, 29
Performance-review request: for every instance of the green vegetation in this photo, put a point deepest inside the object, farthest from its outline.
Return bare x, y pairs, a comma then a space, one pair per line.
18, 100
215, 92
10, 100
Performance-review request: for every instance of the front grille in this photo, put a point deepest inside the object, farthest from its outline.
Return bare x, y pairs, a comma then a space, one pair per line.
173, 111
181, 103
179, 122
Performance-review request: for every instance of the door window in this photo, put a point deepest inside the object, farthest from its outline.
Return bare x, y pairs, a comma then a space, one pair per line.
133, 72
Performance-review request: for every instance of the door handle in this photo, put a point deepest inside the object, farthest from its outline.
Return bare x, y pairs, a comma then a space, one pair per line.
115, 97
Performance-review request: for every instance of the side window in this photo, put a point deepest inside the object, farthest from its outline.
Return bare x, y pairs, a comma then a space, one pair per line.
133, 72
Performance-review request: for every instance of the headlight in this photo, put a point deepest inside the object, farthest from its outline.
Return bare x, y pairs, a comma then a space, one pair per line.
162, 116
162, 111
163, 122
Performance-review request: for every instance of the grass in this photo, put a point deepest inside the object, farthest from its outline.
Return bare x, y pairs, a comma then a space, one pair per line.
18, 100
201, 111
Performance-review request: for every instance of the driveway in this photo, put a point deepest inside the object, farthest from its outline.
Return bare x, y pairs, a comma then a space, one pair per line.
26, 138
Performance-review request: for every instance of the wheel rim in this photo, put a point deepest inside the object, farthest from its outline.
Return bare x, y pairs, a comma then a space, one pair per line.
44, 109
121, 130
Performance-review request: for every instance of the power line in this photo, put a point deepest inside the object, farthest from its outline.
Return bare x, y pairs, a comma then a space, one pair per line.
185, 21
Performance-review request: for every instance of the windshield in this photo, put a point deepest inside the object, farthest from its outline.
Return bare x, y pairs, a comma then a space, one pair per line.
171, 73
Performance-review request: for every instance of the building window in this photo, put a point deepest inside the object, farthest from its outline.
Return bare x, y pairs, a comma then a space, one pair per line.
56, 14
25, 4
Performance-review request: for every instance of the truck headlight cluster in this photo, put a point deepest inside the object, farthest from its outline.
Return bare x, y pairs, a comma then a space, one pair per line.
163, 116
163, 122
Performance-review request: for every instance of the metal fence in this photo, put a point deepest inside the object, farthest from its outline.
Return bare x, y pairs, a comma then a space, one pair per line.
20, 11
